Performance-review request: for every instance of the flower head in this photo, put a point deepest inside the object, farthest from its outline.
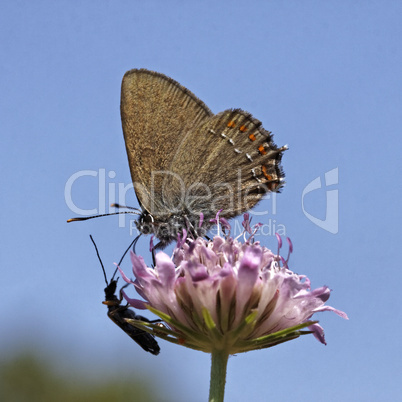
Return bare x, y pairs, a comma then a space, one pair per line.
224, 294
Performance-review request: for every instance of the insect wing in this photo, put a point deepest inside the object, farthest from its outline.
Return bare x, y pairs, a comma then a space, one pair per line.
143, 338
226, 163
156, 114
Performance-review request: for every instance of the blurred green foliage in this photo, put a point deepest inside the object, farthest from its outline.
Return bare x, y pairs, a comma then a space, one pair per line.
29, 378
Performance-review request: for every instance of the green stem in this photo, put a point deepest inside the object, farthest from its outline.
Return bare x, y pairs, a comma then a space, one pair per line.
219, 361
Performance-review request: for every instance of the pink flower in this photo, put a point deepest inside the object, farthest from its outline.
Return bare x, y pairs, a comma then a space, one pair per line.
223, 294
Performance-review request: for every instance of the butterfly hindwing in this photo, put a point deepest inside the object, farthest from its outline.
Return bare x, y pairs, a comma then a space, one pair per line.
226, 163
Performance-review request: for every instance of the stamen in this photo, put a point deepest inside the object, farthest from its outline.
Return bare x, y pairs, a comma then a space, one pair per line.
279, 244
284, 263
216, 220
290, 249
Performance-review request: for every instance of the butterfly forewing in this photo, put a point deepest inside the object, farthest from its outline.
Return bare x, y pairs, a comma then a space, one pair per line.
157, 113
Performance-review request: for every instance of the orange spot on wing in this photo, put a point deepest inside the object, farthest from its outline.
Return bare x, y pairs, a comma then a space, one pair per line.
231, 124
262, 150
266, 174
252, 137
243, 129
272, 185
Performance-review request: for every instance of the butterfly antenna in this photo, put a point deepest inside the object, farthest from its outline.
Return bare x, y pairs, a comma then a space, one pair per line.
98, 216
100, 260
125, 206
133, 243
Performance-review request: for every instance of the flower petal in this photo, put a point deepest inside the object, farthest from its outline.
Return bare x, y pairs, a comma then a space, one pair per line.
136, 303
166, 269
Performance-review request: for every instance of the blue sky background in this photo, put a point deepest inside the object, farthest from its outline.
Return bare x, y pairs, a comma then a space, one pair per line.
325, 77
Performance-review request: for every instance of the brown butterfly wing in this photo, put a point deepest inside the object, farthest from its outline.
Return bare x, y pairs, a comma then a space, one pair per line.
228, 162
157, 113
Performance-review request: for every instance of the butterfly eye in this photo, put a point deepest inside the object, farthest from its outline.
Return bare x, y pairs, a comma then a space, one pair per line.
145, 223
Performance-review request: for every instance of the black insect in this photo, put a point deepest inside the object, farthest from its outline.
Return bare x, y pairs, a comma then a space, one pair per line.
118, 313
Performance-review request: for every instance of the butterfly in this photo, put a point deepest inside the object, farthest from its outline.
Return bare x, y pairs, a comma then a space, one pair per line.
187, 162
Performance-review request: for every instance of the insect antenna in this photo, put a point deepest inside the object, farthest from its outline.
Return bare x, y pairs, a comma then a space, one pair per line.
99, 216
100, 260
137, 212
125, 206
133, 244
